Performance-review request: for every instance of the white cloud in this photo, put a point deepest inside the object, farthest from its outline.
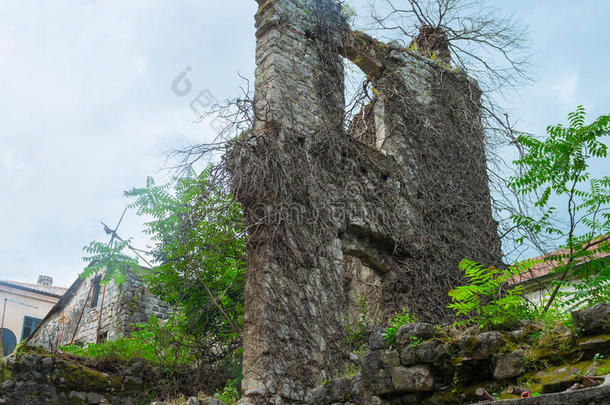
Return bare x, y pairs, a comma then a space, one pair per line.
563, 88
87, 112
87, 109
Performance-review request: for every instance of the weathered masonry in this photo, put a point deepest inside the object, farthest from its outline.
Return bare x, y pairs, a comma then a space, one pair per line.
90, 312
384, 210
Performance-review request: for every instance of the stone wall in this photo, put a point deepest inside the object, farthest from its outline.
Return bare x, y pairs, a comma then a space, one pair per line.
75, 319
430, 365
425, 117
290, 336
33, 376
408, 202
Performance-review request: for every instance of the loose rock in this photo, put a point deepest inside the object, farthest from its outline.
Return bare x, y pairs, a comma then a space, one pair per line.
412, 379
593, 320
509, 365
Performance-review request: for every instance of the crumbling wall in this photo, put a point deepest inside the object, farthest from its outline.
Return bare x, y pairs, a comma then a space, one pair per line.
76, 319
426, 116
292, 332
409, 199
428, 365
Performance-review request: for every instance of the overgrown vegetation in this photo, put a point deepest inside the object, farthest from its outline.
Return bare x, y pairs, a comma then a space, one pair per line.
558, 168
394, 324
357, 332
198, 257
554, 169
488, 299
199, 261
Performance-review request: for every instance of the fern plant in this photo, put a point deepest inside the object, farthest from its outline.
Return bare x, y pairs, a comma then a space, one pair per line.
489, 298
553, 168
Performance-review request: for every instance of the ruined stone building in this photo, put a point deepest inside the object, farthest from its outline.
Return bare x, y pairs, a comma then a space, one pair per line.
90, 312
384, 210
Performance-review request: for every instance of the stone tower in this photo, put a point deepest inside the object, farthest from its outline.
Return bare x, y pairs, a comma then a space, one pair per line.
384, 211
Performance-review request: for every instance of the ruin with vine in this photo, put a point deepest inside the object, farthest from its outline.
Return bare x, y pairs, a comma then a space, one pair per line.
384, 207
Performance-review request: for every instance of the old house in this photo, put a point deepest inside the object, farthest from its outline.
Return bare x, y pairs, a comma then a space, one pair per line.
23, 307
93, 312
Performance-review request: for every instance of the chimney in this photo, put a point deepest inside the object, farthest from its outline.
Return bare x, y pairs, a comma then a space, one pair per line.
45, 280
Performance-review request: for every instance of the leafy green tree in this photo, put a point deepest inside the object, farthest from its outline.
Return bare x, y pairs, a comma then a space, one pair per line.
110, 259
557, 169
198, 252
553, 169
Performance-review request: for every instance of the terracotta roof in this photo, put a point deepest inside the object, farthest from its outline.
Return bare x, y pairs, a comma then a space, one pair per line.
51, 290
544, 268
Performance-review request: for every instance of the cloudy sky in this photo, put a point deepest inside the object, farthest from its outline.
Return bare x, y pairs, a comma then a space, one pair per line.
87, 110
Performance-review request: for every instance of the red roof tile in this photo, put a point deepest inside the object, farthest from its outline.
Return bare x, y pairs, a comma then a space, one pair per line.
545, 267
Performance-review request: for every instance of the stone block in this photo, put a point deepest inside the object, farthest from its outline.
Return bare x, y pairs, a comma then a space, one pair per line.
593, 320
481, 346
390, 359
94, 398
596, 344
408, 356
377, 380
419, 330
431, 351
412, 379
509, 365
211, 401
377, 339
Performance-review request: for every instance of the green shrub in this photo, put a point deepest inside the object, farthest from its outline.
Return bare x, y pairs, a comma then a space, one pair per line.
115, 350
230, 393
357, 332
395, 323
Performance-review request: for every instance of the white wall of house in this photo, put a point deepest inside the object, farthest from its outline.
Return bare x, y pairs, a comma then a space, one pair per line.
18, 305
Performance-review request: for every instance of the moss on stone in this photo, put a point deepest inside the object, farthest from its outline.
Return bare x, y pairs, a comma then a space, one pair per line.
506, 395
558, 378
23, 349
264, 5
443, 398
366, 52
469, 343
80, 378
603, 340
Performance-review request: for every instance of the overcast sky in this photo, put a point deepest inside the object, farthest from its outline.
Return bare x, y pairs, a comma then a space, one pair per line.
87, 110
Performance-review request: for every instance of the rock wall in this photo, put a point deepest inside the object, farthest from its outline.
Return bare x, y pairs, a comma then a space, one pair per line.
409, 204
76, 319
35, 377
437, 366
425, 117
290, 334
